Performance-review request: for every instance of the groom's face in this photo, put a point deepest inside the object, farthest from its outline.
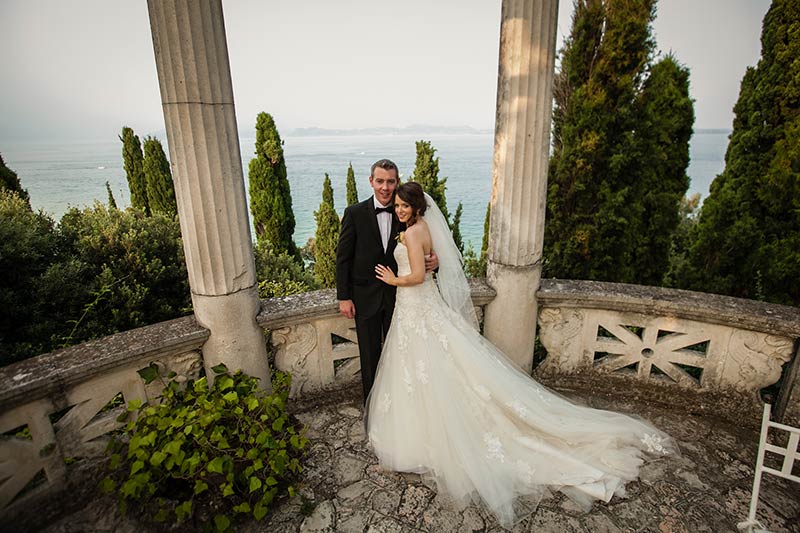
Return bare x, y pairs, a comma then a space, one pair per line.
383, 183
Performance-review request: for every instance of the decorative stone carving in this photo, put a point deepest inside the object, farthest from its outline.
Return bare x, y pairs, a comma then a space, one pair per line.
296, 346
309, 354
560, 332
755, 360
666, 349
185, 366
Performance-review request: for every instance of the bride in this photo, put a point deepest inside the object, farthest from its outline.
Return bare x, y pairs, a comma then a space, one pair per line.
449, 405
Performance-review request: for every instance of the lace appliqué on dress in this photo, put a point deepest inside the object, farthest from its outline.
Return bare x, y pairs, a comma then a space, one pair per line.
494, 448
385, 403
422, 373
518, 407
654, 444
526, 472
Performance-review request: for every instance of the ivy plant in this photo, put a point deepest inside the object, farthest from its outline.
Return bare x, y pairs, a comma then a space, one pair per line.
207, 455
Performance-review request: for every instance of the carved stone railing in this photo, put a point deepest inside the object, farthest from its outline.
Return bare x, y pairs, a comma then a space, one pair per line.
697, 351
59, 407
704, 351
316, 344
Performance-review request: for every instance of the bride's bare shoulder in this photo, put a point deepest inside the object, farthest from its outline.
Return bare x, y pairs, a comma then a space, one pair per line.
419, 230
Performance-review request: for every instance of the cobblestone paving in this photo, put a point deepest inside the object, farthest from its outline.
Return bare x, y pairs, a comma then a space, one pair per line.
342, 489
707, 488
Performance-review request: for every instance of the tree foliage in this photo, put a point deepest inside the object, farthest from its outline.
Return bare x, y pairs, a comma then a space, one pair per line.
133, 160
280, 274
133, 266
621, 129
9, 181
457, 238
326, 238
426, 173
158, 179
352, 191
270, 193
112, 202
747, 241
36, 276
475, 265
97, 272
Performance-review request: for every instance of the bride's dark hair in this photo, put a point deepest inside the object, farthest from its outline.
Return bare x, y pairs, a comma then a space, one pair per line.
411, 193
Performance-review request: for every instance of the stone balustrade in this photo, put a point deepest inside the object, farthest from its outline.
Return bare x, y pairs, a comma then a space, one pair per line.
59, 407
704, 351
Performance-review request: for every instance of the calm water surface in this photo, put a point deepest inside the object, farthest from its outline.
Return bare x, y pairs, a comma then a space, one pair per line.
59, 176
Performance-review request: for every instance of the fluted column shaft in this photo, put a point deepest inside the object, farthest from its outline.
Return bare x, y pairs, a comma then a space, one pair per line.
197, 98
519, 178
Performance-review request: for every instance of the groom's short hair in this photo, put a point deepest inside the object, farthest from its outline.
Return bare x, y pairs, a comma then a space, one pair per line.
385, 164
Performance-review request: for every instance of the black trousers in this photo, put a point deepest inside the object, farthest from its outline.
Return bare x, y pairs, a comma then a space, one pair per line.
370, 332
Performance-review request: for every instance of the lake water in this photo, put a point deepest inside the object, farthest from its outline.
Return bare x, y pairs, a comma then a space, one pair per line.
59, 176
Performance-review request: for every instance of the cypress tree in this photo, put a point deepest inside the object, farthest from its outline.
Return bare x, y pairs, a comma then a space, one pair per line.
270, 193
10, 181
747, 240
457, 228
326, 238
352, 192
668, 114
426, 173
476, 266
158, 177
112, 203
620, 148
133, 160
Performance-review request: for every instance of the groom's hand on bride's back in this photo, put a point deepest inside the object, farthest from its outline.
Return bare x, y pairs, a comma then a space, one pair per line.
431, 262
347, 308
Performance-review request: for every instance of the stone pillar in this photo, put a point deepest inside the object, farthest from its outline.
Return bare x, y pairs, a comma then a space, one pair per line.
197, 97
519, 178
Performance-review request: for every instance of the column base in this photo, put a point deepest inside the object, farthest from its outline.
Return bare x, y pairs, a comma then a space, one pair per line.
510, 319
236, 339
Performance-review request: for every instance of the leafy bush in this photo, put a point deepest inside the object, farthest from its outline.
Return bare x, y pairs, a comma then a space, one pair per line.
134, 266
98, 272
280, 273
208, 454
37, 276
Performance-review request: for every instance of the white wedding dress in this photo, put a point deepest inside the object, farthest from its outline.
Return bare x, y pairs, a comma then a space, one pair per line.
448, 404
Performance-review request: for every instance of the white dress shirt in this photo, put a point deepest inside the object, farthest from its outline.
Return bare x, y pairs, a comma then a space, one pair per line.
384, 223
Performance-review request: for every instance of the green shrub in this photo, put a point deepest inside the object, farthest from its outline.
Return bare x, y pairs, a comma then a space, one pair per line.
279, 273
134, 266
39, 281
208, 455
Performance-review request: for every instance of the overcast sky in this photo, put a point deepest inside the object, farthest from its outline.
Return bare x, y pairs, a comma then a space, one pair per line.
80, 69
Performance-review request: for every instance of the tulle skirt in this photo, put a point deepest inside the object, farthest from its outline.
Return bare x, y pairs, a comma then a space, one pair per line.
449, 405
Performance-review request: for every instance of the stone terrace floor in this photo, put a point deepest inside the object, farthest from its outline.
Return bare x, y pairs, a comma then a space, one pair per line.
707, 488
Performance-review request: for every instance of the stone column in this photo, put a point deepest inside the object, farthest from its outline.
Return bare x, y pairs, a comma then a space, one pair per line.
197, 98
519, 179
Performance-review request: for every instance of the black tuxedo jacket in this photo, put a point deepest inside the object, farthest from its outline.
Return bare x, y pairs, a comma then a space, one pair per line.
360, 249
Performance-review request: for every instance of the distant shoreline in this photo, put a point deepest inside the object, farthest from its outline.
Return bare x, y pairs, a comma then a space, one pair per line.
249, 133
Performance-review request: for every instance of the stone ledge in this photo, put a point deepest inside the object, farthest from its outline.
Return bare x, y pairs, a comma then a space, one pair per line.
289, 310
739, 313
41, 376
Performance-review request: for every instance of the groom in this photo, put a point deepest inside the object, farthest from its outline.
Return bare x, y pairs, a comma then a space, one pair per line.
368, 238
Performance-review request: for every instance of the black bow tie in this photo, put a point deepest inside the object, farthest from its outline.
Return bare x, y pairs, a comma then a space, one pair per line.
387, 209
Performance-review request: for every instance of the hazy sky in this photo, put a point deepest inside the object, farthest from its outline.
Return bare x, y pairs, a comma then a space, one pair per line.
80, 69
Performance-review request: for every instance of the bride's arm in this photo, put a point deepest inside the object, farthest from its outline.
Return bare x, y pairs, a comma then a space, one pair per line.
416, 257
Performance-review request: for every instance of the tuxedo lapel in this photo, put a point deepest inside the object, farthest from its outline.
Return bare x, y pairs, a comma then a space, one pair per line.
390, 246
373, 224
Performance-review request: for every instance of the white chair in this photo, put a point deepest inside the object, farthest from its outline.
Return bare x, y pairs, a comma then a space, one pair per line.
790, 455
